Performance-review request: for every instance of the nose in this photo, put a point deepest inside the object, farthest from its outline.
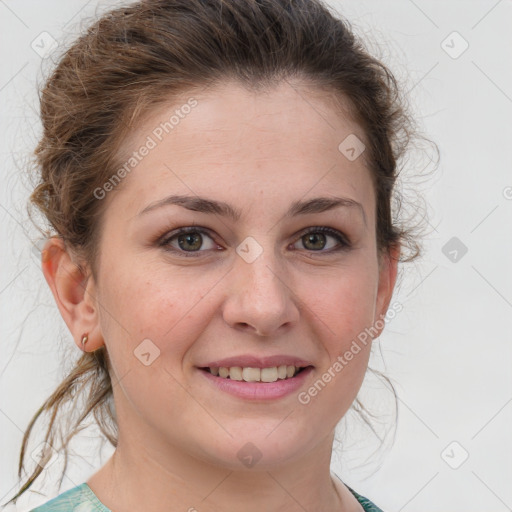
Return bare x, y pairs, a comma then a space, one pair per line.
260, 298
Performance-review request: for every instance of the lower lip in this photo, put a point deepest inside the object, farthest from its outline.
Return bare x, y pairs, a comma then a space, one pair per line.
258, 390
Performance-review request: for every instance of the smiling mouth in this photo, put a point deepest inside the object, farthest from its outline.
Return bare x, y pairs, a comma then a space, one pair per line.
250, 374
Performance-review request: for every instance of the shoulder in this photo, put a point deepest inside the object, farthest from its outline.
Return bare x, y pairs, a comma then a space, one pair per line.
367, 505
349, 494
78, 499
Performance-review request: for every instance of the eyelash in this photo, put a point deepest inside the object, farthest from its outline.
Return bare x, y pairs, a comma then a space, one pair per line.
164, 241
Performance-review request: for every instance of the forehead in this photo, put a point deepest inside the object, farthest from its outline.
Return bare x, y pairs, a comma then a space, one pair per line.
233, 142
296, 112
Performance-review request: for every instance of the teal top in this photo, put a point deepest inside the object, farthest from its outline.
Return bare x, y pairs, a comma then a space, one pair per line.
82, 499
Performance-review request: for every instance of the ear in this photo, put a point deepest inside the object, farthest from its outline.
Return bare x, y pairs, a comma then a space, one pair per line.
388, 266
74, 293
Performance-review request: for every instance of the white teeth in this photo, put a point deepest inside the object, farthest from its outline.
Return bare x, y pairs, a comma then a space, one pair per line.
235, 373
249, 374
269, 374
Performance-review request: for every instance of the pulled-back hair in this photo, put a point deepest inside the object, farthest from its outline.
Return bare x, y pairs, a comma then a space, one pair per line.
135, 58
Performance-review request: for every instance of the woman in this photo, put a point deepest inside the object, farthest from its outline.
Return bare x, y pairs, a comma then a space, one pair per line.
218, 176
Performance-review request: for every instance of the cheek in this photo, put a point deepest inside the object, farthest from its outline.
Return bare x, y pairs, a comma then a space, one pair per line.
146, 302
343, 304
342, 311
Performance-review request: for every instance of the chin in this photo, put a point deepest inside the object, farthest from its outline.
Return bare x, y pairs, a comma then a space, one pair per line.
261, 450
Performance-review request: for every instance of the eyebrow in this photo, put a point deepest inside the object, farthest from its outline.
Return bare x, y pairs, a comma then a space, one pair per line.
204, 205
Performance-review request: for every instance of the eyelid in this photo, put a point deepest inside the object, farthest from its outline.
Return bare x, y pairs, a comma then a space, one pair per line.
164, 240
327, 230
344, 242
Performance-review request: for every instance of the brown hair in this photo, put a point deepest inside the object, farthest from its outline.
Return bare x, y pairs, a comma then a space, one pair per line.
137, 57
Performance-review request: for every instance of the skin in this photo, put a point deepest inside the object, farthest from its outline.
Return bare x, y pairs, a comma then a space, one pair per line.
179, 435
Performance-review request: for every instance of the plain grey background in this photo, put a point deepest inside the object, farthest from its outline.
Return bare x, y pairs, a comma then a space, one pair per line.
448, 352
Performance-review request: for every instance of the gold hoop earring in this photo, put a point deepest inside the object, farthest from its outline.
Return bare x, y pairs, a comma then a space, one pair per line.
85, 338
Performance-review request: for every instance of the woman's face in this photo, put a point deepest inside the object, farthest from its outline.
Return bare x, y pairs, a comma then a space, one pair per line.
246, 281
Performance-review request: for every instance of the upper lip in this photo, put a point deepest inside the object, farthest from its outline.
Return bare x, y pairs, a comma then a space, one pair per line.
249, 361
